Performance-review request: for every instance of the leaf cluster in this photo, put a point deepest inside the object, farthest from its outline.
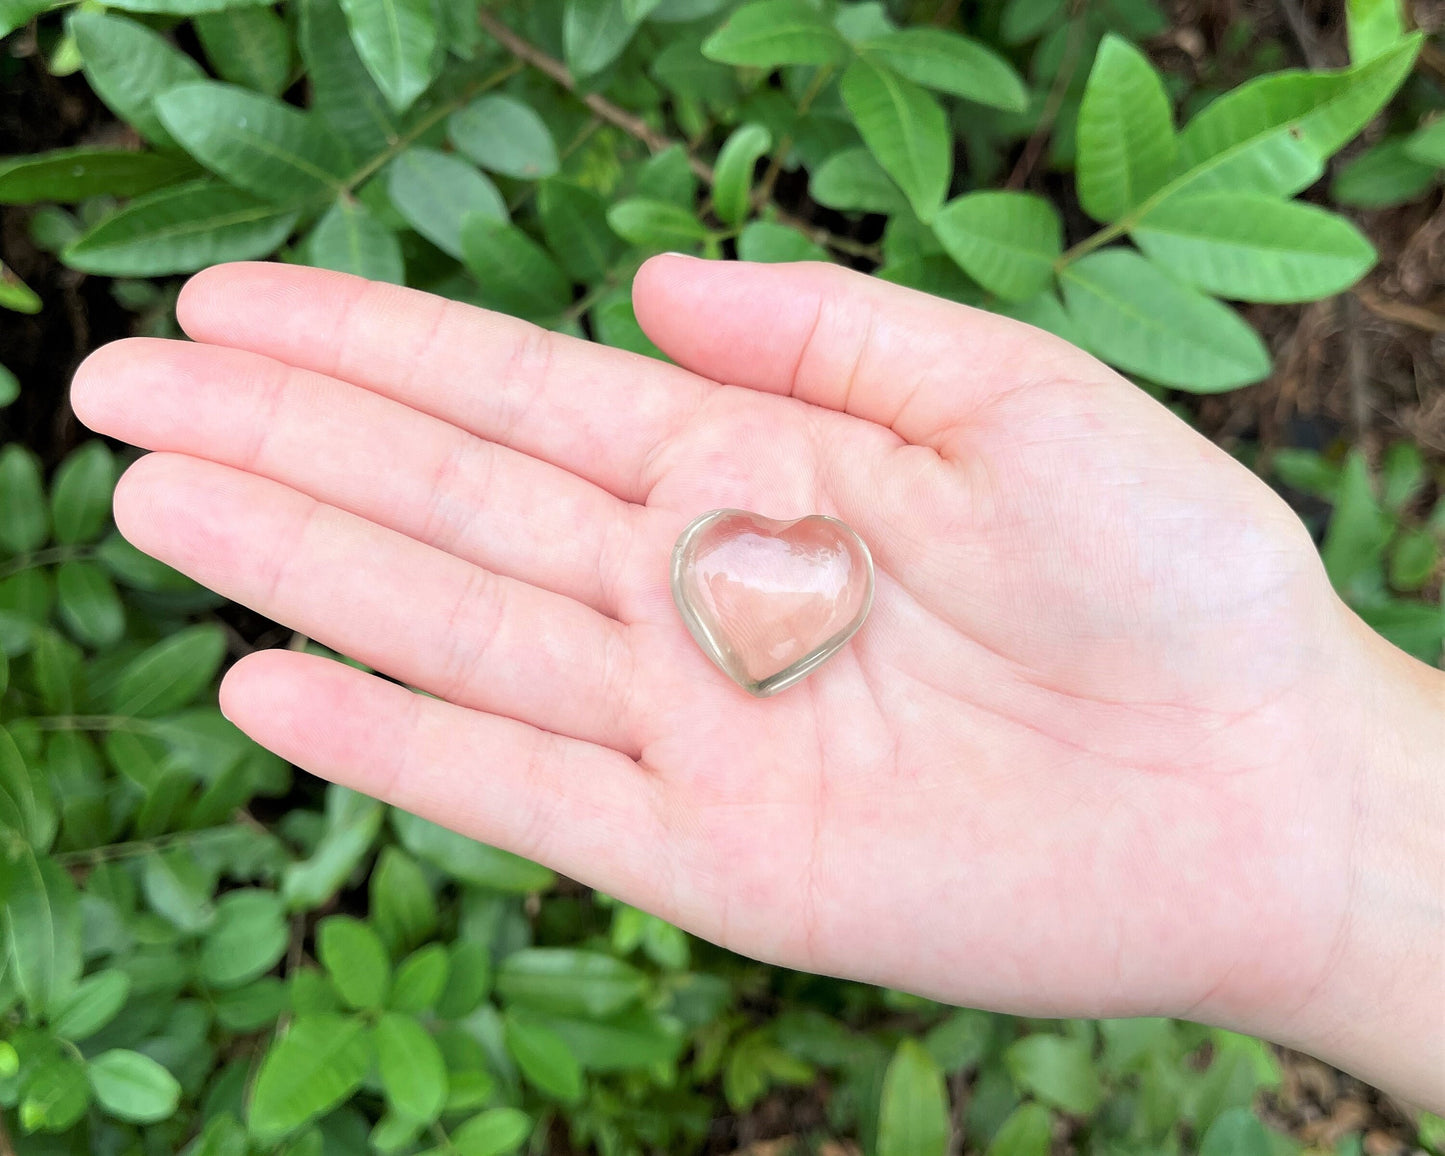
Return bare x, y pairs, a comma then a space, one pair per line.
199, 954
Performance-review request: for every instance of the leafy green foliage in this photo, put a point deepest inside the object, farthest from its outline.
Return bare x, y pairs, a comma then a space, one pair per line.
342, 976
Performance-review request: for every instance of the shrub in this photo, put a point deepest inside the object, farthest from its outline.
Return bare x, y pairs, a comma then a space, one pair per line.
202, 954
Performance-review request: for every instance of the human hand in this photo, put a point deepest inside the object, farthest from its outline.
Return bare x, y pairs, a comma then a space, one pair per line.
1107, 745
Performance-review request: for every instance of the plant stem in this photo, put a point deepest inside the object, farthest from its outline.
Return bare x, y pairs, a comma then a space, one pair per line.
1094, 240
634, 126
441, 112
113, 851
639, 129
90, 722
764, 193
44, 558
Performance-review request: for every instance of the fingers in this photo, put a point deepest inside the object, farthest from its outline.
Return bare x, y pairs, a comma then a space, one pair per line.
367, 454
595, 411
835, 338
414, 612
582, 809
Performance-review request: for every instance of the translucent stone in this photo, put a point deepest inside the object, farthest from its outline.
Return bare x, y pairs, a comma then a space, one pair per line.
770, 601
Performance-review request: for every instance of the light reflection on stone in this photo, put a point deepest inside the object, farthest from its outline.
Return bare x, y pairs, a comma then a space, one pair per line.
768, 601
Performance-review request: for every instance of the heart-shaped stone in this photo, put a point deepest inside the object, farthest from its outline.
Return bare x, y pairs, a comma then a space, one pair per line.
770, 601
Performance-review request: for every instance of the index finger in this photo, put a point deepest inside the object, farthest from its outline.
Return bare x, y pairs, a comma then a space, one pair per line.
591, 409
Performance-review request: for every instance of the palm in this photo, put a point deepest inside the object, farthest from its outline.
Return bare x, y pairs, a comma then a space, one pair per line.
982, 796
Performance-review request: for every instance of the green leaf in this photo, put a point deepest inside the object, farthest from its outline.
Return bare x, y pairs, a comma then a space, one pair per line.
497, 1132
1413, 557
78, 173
19, 807
1383, 175
543, 1058
178, 890
25, 602
504, 136
1253, 247
1358, 532
15, 295
9, 387
615, 323
853, 181
570, 982
1402, 474
42, 929
1427, 143
314, 1067
1126, 143
133, 1087
248, 46
351, 240
905, 129
948, 62
1372, 26
656, 225
248, 1008
353, 821
913, 1118
468, 860
88, 603
421, 978
413, 1073
24, 521
516, 275
342, 91
180, 230
1236, 1132
170, 674
96, 1000
396, 40
80, 493
1240, 141
247, 939
128, 65
1027, 1131
629, 1041
356, 960
1058, 1070
403, 908
1046, 312
15, 14
770, 33
574, 223
254, 141
56, 670
469, 974
1136, 317
1007, 242
437, 191
594, 33
178, 7
1025, 19
55, 1093
733, 174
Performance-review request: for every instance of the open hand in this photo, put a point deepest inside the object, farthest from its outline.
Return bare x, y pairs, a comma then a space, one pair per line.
1096, 750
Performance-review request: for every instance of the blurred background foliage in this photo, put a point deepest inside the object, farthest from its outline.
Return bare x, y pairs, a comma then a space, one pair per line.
203, 952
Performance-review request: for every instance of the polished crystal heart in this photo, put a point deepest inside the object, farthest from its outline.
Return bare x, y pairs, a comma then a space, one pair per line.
770, 601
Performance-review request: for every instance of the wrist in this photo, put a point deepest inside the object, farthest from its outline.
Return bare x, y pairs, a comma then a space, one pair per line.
1373, 1001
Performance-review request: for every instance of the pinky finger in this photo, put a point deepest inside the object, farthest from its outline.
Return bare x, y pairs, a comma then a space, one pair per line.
585, 810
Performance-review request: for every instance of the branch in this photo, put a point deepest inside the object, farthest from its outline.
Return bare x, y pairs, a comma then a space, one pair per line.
633, 126
636, 127
1402, 312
